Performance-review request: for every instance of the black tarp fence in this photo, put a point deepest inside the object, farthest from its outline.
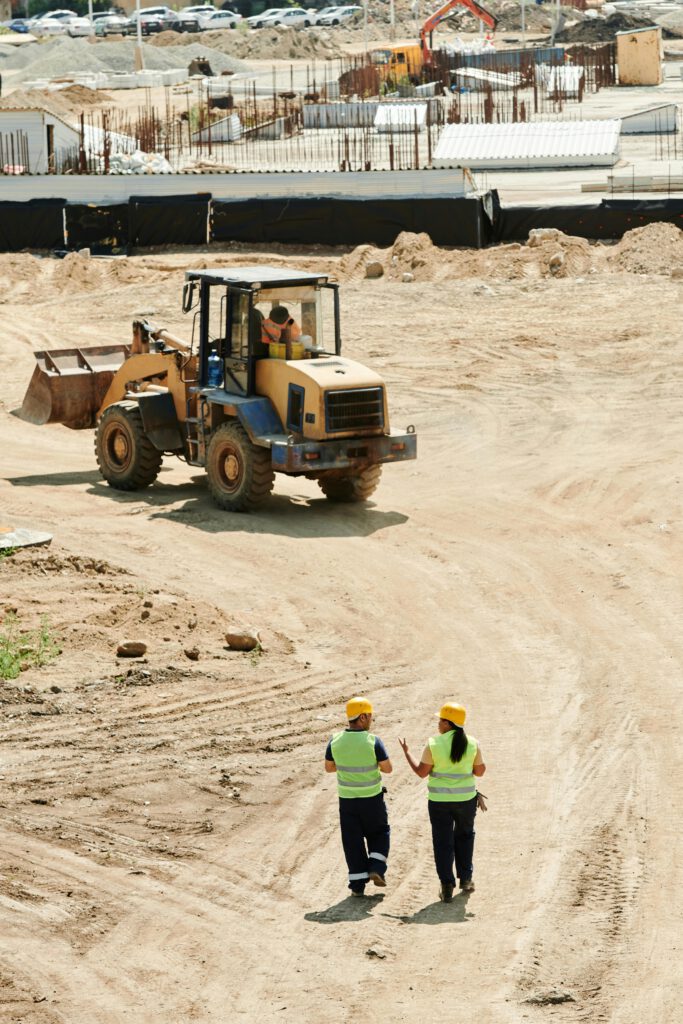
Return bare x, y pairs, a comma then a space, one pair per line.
37, 224
608, 219
192, 220
102, 229
168, 220
330, 220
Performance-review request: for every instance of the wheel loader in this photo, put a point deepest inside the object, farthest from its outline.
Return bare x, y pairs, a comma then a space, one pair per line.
230, 400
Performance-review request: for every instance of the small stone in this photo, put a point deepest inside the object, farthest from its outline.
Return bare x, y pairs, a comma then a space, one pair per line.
374, 269
246, 640
84, 252
55, 689
373, 951
192, 653
131, 649
551, 998
408, 277
147, 604
144, 615
677, 273
539, 235
556, 262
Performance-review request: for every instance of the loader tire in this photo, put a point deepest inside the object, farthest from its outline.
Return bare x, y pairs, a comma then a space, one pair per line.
350, 487
127, 458
240, 473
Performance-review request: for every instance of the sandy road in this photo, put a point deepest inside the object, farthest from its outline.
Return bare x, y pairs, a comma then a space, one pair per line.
185, 864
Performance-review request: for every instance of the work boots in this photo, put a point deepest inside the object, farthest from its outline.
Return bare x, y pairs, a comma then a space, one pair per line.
446, 892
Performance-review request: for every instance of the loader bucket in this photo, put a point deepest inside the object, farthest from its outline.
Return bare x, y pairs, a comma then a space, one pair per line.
69, 384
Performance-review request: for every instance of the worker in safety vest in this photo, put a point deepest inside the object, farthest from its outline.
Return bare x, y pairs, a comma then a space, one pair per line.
359, 757
279, 326
451, 761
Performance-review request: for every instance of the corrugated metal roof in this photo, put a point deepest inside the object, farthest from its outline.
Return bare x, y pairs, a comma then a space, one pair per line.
537, 144
654, 120
400, 117
228, 129
497, 79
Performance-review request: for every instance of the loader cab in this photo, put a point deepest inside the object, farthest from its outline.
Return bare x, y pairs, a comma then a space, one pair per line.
229, 308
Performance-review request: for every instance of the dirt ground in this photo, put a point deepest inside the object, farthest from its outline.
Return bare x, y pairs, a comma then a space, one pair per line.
169, 847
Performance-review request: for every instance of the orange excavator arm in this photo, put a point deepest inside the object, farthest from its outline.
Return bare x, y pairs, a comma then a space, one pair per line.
487, 17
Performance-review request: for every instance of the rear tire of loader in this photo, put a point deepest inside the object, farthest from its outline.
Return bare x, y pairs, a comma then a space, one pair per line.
127, 458
350, 487
240, 473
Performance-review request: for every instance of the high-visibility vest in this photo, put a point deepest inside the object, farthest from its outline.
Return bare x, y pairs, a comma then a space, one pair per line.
272, 332
450, 780
353, 752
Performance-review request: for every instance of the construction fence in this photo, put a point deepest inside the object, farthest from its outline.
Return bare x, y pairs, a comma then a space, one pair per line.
195, 220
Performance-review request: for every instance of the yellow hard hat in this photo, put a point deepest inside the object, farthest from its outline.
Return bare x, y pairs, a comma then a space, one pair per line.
454, 713
358, 706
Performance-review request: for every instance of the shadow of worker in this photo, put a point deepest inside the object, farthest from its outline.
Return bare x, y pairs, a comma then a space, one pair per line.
349, 909
439, 913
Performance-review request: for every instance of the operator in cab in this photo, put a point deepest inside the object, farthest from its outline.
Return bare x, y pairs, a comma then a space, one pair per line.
279, 326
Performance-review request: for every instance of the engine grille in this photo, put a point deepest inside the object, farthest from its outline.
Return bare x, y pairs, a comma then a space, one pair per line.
358, 409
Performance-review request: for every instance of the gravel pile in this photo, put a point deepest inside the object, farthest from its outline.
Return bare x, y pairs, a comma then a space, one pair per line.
64, 55
601, 30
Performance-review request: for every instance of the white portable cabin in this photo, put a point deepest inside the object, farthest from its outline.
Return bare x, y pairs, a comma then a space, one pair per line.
36, 139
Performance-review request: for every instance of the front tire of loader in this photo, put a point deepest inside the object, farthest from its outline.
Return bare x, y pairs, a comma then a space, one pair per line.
127, 458
240, 473
350, 487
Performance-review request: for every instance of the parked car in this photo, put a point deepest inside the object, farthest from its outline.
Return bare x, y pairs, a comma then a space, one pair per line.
340, 15
18, 25
256, 20
48, 27
219, 19
51, 23
183, 22
110, 25
80, 27
203, 10
317, 15
152, 19
292, 17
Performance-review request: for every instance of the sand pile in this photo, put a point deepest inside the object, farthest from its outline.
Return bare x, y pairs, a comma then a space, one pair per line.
63, 55
277, 43
654, 249
549, 253
17, 269
77, 273
558, 255
61, 102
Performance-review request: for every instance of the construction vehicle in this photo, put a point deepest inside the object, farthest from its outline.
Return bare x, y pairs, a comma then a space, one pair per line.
407, 62
239, 407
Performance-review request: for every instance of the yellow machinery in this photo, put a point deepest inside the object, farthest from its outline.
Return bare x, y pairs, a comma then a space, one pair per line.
238, 403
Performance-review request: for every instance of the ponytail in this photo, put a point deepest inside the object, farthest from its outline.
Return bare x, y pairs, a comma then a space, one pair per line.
458, 743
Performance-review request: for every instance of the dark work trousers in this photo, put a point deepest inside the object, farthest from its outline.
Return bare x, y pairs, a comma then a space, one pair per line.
453, 838
364, 820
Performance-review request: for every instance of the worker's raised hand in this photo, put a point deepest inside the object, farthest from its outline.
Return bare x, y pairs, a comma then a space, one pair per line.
403, 743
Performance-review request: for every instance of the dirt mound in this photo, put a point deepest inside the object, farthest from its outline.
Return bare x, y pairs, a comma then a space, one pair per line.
654, 249
79, 96
167, 38
352, 266
17, 269
77, 272
601, 30
277, 43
